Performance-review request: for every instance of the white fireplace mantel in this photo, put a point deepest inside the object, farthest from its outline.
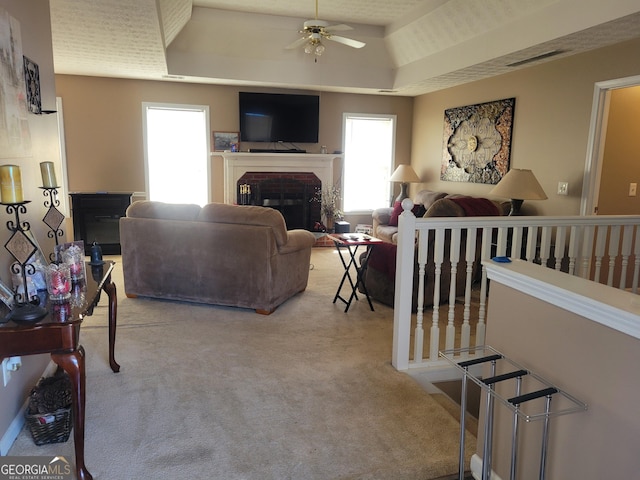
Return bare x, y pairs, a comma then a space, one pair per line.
236, 164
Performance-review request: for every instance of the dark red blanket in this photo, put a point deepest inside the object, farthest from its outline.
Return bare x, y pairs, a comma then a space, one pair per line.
477, 207
383, 259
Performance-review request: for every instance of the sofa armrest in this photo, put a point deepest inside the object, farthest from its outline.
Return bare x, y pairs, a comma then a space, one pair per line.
297, 239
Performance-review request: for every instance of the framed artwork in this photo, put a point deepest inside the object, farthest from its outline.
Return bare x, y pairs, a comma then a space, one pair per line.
226, 141
476, 144
15, 136
32, 80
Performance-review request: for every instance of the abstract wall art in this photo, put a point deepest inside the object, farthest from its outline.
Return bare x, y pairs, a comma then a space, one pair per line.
476, 145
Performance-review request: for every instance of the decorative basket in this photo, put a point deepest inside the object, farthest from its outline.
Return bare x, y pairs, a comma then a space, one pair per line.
50, 427
49, 412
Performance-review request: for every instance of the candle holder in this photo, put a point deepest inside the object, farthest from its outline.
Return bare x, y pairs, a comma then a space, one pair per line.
54, 217
22, 248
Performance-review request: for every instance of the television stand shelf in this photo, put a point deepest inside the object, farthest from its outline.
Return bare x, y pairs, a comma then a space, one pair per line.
276, 150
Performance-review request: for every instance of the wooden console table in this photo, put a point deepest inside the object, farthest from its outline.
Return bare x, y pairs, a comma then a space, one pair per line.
58, 334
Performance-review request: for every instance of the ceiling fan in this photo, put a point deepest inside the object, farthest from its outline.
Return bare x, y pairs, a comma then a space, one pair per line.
316, 30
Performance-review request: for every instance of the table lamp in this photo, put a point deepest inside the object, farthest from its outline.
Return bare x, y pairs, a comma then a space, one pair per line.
519, 185
404, 174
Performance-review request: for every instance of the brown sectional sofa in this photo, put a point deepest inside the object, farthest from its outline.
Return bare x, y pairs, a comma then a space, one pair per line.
239, 256
379, 278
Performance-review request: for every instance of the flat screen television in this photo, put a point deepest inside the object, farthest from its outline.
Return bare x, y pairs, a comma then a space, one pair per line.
278, 117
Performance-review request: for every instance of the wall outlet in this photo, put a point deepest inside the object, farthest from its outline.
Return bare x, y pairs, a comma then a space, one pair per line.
633, 187
563, 188
10, 365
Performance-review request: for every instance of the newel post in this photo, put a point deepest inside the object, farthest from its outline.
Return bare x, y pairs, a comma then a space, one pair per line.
403, 287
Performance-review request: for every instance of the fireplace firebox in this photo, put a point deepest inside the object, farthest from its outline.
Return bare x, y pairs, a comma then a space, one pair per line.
96, 218
293, 194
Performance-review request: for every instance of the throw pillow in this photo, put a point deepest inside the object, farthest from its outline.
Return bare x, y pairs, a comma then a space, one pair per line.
397, 210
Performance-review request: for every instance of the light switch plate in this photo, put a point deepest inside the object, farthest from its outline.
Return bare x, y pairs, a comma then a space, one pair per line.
563, 188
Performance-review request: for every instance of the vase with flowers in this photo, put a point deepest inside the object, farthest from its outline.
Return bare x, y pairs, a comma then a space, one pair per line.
330, 200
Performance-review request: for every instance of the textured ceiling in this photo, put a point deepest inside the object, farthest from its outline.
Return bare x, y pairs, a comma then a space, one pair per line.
413, 46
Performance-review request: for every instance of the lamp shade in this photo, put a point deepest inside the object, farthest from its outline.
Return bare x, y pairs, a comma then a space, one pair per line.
519, 184
404, 174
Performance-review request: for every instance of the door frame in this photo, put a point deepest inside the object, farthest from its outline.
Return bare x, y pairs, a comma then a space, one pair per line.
596, 140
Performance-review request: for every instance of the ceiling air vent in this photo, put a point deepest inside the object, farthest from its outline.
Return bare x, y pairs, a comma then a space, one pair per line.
542, 56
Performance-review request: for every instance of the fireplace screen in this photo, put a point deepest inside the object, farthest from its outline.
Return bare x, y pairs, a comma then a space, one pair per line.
290, 193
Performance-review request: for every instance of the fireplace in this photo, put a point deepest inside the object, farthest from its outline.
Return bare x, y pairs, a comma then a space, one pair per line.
237, 164
292, 193
96, 218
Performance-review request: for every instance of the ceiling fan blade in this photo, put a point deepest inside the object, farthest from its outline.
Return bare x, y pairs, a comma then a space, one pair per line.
297, 43
346, 41
338, 28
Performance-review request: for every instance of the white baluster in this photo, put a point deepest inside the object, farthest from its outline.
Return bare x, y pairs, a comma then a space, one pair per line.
465, 334
627, 239
601, 241
587, 250
636, 264
574, 247
614, 244
545, 245
482, 310
438, 257
561, 238
454, 258
501, 249
516, 243
423, 247
532, 243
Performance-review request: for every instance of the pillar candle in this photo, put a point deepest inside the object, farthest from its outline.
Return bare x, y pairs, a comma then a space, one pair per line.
48, 175
10, 184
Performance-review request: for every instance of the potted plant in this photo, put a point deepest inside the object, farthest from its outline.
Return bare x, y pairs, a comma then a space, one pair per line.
330, 200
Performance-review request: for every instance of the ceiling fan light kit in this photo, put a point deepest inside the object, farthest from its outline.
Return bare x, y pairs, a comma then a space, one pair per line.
315, 31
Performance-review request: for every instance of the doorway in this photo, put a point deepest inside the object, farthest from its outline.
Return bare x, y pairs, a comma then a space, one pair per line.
596, 141
176, 141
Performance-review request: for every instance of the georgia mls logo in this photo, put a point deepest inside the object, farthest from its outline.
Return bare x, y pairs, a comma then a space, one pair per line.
35, 468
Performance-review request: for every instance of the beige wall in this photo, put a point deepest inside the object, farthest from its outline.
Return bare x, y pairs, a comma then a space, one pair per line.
103, 122
596, 364
621, 158
103, 125
551, 122
33, 16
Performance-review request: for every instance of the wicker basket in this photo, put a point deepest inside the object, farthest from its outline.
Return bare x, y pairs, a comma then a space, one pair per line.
49, 412
50, 427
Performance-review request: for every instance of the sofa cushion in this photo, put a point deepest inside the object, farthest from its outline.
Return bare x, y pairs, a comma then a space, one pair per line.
477, 207
427, 197
246, 215
445, 207
164, 211
418, 210
463, 206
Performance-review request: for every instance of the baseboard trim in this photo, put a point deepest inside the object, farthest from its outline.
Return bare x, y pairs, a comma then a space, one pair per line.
476, 468
17, 423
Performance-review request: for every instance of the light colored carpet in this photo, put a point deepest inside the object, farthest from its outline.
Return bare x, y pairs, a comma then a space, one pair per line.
211, 392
